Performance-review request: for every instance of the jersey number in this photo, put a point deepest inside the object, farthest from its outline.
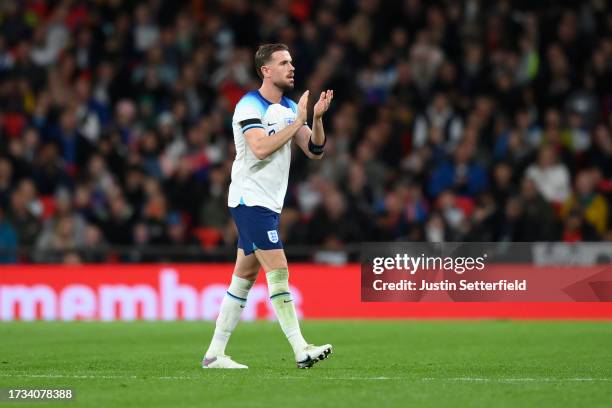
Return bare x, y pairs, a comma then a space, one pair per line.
271, 132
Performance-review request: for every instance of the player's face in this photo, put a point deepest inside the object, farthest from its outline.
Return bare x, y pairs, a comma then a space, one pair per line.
281, 70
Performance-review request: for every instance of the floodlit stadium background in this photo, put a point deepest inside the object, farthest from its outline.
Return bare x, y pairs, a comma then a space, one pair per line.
451, 121
472, 120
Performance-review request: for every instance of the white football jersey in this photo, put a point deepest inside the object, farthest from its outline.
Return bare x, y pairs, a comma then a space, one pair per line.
254, 181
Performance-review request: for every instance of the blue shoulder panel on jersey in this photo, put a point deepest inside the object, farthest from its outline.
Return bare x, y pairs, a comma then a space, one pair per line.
253, 98
288, 103
264, 102
257, 99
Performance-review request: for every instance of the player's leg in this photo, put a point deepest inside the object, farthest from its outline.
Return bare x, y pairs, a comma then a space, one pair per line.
245, 274
258, 232
275, 265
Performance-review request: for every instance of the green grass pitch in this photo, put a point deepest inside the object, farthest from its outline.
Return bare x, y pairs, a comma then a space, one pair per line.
380, 364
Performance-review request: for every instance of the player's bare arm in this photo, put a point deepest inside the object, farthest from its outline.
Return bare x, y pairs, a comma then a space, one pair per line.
263, 145
317, 135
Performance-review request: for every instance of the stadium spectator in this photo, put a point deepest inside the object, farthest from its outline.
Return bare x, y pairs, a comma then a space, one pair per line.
334, 228
551, 178
600, 153
539, 220
8, 240
6, 181
25, 219
466, 120
462, 175
180, 237
440, 116
587, 202
94, 248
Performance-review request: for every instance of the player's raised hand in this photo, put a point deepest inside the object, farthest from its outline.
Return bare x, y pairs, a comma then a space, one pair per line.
323, 103
302, 108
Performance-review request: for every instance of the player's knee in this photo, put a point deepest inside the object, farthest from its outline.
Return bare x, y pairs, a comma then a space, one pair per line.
272, 259
247, 273
276, 266
278, 261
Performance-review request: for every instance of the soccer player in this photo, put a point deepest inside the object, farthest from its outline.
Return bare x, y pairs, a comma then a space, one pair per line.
264, 123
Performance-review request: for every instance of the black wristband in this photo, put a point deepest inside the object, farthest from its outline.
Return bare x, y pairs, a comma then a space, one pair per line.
316, 149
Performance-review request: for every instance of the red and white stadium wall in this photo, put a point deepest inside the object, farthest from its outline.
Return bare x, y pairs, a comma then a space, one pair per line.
194, 292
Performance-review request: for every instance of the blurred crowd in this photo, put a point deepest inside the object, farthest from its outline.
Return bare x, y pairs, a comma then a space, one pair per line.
464, 120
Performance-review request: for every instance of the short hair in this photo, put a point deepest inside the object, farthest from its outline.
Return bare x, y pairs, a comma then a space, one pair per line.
264, 54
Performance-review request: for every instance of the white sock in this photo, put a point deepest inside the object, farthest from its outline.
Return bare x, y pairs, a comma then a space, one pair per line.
229, 315
278, 288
